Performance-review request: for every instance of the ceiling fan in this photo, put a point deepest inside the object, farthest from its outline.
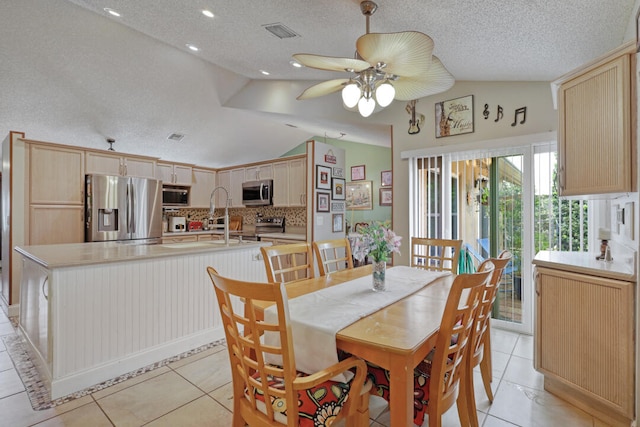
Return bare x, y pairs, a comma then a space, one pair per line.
386, 66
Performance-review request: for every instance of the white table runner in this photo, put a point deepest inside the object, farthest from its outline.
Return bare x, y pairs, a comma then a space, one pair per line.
317, 317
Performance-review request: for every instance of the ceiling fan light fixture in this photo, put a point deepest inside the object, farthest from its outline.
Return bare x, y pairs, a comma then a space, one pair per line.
385, 93
351, 94
386, 67
366, 106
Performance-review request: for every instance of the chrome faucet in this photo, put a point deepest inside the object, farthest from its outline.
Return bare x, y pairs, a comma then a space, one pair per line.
212, 207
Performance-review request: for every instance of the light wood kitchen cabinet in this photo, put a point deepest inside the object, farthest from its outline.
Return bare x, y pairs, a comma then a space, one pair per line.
204, 181
231, 180
289, 182
116, 164
56, 175
596, 135
174, 173
180, 239
298, 182
281, 184
255, 173
51, 224
584, 341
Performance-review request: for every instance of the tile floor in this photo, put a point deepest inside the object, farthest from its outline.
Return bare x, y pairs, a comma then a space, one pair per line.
195, 392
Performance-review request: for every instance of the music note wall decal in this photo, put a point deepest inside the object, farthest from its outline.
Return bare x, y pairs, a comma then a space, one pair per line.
523, 111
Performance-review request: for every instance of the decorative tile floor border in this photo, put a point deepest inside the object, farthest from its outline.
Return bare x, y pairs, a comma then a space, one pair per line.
38, 391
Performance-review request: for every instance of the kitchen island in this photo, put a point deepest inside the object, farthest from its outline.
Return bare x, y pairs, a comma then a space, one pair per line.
93, 311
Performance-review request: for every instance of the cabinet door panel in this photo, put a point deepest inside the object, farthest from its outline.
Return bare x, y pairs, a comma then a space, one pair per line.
143, 168
56, 175
591, 317
104, 164
56, 224
594, 138
297, 182
204, 182
281, 184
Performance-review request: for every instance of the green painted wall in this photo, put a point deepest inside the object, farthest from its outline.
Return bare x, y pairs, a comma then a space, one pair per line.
375, 159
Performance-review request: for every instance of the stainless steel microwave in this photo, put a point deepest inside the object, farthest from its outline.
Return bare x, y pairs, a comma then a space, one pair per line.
257, 193
174, 195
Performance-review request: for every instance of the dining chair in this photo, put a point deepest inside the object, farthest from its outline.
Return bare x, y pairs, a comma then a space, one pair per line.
276, 394
480, 340
359, 226
437, 379
435, 254
287, 263
333, 255
481, 346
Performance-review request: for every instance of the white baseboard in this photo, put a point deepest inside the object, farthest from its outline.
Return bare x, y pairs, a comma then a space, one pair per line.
72, 383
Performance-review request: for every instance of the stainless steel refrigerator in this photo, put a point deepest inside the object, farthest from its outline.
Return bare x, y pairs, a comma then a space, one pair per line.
122, 208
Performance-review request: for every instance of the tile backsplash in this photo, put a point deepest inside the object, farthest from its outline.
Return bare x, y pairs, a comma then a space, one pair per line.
294, 217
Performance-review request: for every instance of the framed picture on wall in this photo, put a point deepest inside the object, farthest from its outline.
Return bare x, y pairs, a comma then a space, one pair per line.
338, 172
337, 188
337, 206
454, 117
323, 177
386, 179
359, 195
386, 197
357, 173
338, 223
322, 201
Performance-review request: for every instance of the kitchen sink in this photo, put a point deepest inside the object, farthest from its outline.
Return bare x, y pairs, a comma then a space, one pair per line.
221, 241
206, 244
185, 245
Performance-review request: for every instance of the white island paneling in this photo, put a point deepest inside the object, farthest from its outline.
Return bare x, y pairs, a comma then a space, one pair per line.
107, 318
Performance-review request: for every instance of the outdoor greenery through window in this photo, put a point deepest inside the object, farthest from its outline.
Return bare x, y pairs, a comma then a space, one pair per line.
481, 198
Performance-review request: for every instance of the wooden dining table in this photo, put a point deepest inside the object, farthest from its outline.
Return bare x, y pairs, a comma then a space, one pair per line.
397, 337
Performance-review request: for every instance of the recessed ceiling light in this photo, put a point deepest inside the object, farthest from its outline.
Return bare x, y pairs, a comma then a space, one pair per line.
295, 64
111, 12
266, 73
192, 47
207, 13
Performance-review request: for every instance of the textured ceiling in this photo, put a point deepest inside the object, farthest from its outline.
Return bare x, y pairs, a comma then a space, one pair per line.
492, 40
71, 73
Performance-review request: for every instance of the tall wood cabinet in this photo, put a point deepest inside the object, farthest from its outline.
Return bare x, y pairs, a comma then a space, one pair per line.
584, 337
56, 195
596, 132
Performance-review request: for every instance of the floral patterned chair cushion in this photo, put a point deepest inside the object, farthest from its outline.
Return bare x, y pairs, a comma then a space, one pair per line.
317, 406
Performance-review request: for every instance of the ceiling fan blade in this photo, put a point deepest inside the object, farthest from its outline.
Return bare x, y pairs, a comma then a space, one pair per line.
436, 80
324, 88
331, 63
406, 54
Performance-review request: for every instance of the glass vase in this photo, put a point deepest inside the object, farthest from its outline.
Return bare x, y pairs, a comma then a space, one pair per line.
379, 273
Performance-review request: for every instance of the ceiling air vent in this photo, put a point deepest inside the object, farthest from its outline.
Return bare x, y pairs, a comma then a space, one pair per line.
176, 137
281, 31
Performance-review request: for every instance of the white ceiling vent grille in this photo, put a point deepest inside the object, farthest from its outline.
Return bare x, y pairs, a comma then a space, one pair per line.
281, 31
176, 137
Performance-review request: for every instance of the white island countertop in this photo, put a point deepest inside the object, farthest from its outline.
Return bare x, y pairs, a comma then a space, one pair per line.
76, 254
621, 268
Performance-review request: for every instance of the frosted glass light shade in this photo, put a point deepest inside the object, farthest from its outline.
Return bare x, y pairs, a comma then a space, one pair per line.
385, 93
351, 95
366, 106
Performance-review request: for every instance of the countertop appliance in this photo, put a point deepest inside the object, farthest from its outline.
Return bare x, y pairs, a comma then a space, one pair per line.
266, 225
122, 208
177, 223
257, 193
